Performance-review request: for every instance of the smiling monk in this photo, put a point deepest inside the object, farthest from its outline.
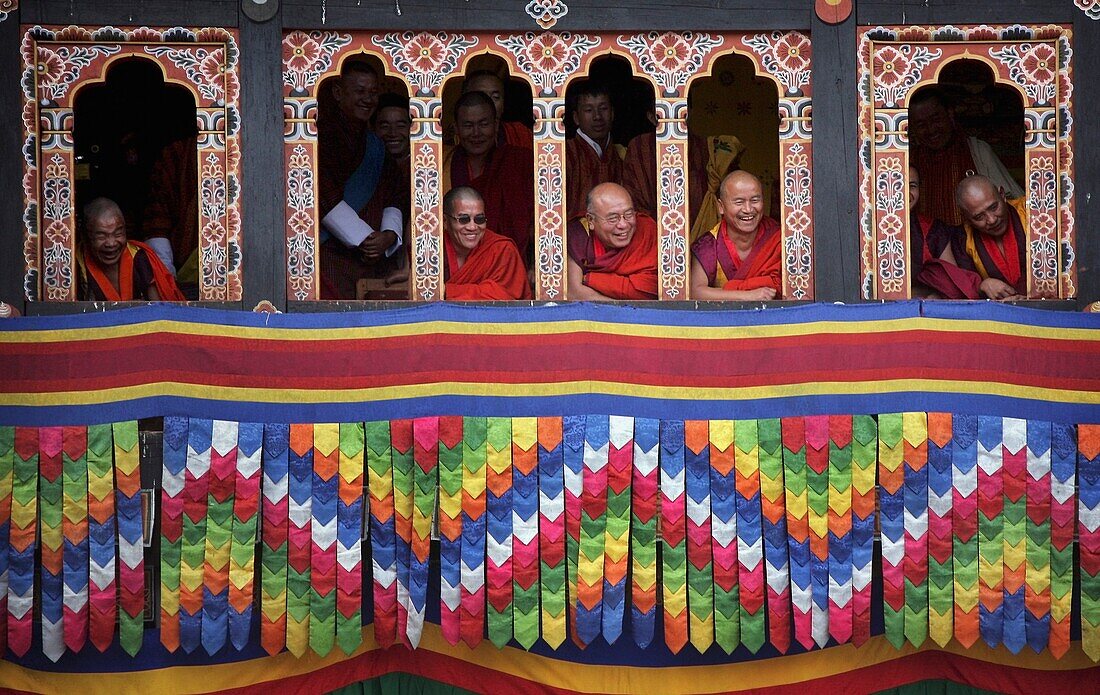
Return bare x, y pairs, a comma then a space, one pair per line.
612, 249
479, 264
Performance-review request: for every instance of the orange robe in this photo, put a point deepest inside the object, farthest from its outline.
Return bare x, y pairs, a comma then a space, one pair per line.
173, 211
629, 273
640, 173
139, 268
584, 171
493, 270
725, 268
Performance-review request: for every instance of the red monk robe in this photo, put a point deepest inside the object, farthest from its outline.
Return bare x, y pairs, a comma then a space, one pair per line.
507, 186
927, 240
139, 268
172, 211
629, 273
940, 173
640, 173
493, 270
725, 269
517, 135
978, 258
584, 170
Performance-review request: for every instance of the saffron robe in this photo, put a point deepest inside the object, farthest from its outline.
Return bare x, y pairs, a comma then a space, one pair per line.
763, 267
506, 184
640, 173
978, 258
628, 273
942, 170
493, 270
139, 268
584, 170
172, 211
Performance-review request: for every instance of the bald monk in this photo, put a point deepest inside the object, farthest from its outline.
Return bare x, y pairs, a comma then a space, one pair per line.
502, 174
740, 258
479, 264
114, 269
590, 156
491, 85
612, 249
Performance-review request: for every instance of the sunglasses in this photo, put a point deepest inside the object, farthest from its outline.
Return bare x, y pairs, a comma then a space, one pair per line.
465, 219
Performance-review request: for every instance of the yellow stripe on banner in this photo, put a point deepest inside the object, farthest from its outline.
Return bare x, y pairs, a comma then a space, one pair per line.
545, 328
566, 675
501, 390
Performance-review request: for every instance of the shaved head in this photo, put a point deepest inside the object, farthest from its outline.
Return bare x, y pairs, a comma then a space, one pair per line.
736, 178
972, 186
101, 208
983, 205
457, 195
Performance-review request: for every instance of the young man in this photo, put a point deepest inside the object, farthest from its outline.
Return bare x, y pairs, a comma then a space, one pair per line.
613, 249
590, 156
478, 263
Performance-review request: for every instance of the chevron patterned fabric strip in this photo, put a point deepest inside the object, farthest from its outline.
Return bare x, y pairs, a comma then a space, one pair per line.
401, 453
1037, 574
102, 536
700, 570
990, 530
299, 538
573, 469
172, 481
891, 479
593, 530
425, 484
474, 454
499, 535
74, 526
915, 502
964, 527
864, 460
383, 536
674, 592
322, 555
50, 496
131, 534
7, 472
242, 551
1088, 530
798, 528
276, 527
750, 540
724, 533
552, 565
1015, 532
525, 529
450, 528
941, 604
643, 532
193, 551
349, 539
841, 626
620, 465
817, 499
23, 540
219, 535
769, 436
1063, 511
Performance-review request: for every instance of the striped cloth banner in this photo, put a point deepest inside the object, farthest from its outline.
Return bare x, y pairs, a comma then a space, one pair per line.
769, 435
864, 461
573, 427
425, 484
322, 546
7, 473
891, 478
196, 490
74, 526
383, 535
472, 581
401, 453
102, 537
841, 608
50, 499
1088, 530
23, 540
1014, 467
798, 528
990, 530
450, 528
620, 465
276, 528
172, 481
1063, 511
964, 528
525, 531
674, 561
817, 500
349, 539
700, 568
750, 541
915, 503
724, 541
219, 535
499, 534
941, 604
299, 538
131, 533
242, 551
643, 533
593, 527
552, 563
1037, 575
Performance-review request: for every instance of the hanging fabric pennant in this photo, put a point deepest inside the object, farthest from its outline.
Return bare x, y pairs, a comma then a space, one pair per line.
401, 453
573, 427
383, 535
172, 481
196, 490
498, 509
450, 528
50, 496
964, 527
242, 552
700, 569
7, 471
841, 616
525, 529
1037, 572
940, 498
673, 510
131, 530
593, 527
864, 461
1063, 511
723, 531
769, 435
426, 480
798, 528
74, 526
102, 537
891, 478
750, 541
817, 499
1088, 529
322, 555
643, 533
349, 539
474, 455
219, 535
915, 501
990, 530
1014, 468
299, 538
23, 539
552, 564
276, 528
620, 465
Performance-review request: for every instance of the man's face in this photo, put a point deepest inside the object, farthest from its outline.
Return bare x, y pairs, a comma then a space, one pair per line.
930, 124
741, 204
463, 223
393, 126
107, 238
986, 210
357, 95
914, 188
594, 116
613, 219
477, 128
490, 87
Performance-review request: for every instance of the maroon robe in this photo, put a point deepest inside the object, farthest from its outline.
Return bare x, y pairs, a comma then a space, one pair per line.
492, 271
507, 185
763, 266
640, 173
927, 240
173, 210
584, 171
940, 173
627, 273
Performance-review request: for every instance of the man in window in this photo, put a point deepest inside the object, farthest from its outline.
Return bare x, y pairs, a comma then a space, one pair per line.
928, 239
478, 262
612, 249
992, 252
740, 258
113, 269
944, 154
491, 85
590, 156
502, 174
359, 201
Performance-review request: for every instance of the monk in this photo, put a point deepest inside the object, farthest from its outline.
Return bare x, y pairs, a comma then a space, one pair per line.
590, 156
479, 264
928, 239
170, 223
612, 249
393, 125
943, 153
359, 202
111, 268
740, 258
491, 85
502, 174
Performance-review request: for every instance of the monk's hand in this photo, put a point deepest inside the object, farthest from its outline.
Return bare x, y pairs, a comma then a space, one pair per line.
374, 246
397, 277
997, 289
760, 294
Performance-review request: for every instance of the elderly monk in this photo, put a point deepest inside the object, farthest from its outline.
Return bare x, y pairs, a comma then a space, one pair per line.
478, 263
740, 257
491, 85
360, 201
502, 174
590, 156
613, 249
113, 269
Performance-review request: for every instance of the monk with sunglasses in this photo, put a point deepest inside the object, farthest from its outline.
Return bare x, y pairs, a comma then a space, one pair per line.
479, 264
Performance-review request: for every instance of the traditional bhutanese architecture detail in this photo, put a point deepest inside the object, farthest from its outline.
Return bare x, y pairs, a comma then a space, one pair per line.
547, 12
1090, 7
